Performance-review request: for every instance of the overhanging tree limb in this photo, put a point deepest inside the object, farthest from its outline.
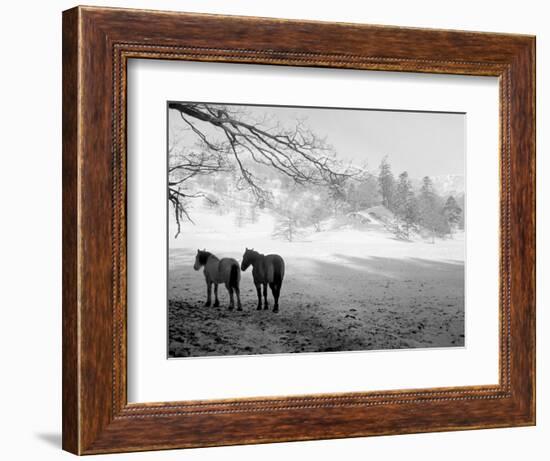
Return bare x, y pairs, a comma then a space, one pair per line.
228, 136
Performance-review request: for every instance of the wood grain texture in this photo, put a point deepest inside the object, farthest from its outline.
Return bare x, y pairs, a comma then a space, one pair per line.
97, 43
70, 384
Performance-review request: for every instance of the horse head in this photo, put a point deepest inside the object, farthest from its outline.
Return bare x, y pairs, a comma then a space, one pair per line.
200, 259
248, 257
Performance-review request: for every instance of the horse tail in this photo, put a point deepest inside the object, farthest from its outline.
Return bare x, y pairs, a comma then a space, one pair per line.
234, 276
278, 270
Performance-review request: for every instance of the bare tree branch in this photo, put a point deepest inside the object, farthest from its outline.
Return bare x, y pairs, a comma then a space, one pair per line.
295, 153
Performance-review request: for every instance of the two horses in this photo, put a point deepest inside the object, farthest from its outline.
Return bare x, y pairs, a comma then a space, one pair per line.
266, 270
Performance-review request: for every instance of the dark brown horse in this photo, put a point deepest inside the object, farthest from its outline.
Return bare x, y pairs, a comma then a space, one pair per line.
217, 271
268, 269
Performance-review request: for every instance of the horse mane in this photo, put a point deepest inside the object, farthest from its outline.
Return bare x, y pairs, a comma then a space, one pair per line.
203, 256
255, 253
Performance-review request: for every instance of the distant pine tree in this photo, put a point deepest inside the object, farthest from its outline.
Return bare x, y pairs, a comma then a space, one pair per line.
352, 198
239, 217
286, 228
405, 204
253, 213
363, 194
386, 183
337, 195
316, 215
431, 215
452, 212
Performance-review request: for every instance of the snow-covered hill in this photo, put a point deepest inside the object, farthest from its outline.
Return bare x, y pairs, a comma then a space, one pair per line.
445, 185
449, 184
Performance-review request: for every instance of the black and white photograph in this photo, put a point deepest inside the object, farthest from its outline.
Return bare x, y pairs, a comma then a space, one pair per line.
313, 229
265, 231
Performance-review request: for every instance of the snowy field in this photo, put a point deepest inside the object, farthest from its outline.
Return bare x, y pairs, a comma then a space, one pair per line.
345, 289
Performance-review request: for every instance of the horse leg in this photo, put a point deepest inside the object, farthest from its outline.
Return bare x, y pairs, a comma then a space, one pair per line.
216, 300
208, 293
266, 306
276, 294
238, 293
231, 301
259, 291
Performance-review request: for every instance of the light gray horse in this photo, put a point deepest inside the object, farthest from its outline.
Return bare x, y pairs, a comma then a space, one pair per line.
225, 270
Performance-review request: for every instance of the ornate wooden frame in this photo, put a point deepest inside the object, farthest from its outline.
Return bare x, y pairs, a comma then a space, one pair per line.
97, 43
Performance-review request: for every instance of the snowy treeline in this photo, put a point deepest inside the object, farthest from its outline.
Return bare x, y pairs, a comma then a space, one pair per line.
236, 164
419, 210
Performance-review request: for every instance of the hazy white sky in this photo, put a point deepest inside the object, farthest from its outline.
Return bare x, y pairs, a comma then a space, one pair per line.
424, 144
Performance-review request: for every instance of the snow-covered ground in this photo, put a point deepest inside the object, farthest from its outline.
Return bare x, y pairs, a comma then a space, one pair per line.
345, 289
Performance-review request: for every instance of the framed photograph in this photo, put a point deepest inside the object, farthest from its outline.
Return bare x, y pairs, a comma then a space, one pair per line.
282, 230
